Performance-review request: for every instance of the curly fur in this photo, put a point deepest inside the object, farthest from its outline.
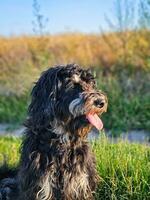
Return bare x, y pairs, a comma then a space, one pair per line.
56, 161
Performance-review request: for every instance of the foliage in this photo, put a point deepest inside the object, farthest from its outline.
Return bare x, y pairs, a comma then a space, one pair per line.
9, 150
13, 109
124, 170
144, 14
123, 167
128, 101
23, 58
40, 22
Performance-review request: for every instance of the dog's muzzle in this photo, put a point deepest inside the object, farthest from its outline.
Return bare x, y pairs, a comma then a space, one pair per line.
76, 107
88, 103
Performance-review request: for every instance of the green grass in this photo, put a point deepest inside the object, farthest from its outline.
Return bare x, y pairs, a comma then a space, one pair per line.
9, 150
124, 168
13, 109
128, 100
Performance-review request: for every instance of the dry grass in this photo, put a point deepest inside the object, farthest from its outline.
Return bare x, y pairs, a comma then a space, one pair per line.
121, 62
23, 58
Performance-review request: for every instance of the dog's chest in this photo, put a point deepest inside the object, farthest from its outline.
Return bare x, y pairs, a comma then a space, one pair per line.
69, 171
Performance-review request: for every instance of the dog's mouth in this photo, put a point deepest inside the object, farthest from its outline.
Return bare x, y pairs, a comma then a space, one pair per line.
95, 120
90, 109
94, 111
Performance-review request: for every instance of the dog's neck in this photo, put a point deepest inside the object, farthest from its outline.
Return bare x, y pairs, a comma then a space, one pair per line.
65, 134
57, 127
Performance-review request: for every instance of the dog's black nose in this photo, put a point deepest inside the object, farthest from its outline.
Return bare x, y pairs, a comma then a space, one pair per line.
99, 103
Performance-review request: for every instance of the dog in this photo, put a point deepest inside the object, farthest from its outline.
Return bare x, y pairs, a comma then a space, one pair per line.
56, 160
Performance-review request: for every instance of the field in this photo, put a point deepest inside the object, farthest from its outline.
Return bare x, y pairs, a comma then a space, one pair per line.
23, 58
124, 75
120, 61
122, 69
124, 168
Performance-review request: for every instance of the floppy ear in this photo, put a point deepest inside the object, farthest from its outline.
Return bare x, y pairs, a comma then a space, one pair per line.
44, 94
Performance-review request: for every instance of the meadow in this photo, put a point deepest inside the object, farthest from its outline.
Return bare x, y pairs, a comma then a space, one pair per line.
121, 64
122, 69
124, 168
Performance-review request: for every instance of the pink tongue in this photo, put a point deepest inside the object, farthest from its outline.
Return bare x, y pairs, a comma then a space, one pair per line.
95, 121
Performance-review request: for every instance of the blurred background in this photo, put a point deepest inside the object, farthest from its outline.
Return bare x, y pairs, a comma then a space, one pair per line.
111, 37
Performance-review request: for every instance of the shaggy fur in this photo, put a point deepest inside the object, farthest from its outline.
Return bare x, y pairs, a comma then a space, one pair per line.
56, 160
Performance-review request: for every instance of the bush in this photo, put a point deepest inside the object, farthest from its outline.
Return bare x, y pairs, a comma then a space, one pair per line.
13, 109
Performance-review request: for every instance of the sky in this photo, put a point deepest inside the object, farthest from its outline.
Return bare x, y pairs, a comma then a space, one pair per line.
85, 16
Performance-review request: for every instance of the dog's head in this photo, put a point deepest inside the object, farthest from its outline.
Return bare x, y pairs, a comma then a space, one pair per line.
65, 99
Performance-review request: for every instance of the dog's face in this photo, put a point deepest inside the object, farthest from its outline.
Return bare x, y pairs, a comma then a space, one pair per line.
66, 98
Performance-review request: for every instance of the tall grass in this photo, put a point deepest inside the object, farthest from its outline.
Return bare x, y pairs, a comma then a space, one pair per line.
22, 59
124, 168
128, 100
9, 150
13, 109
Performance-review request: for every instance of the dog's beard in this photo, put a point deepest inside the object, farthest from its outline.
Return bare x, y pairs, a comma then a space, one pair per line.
76, 108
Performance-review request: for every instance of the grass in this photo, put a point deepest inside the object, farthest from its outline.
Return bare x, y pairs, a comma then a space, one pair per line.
128, 101
124, 168
128, 96
13, 109
125, 77
23, 58
9, 150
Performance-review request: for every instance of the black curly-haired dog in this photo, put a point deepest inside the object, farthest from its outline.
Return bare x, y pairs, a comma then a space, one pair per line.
56, 160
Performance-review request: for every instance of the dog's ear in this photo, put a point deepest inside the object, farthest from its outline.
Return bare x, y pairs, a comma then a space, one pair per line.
44, 94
